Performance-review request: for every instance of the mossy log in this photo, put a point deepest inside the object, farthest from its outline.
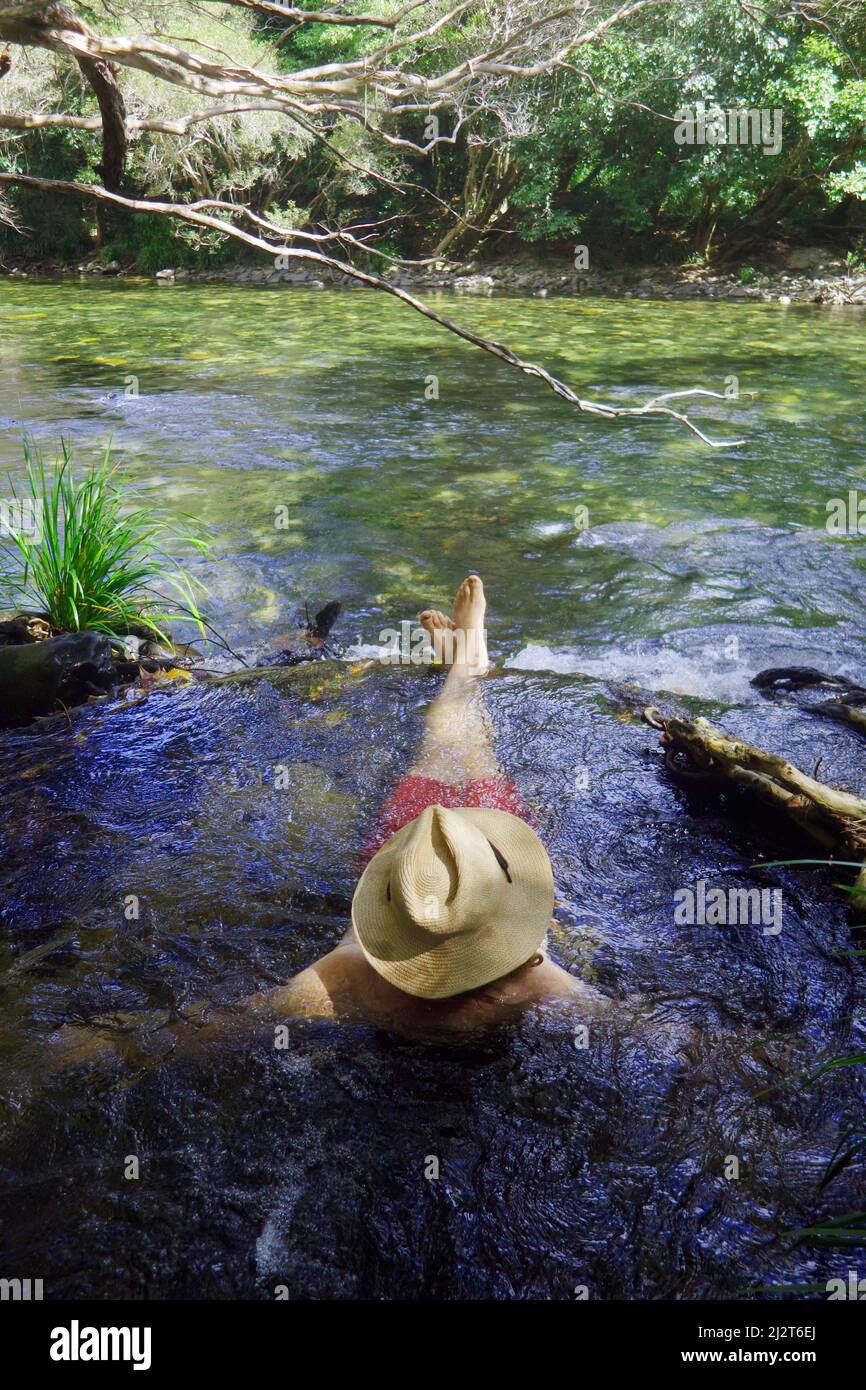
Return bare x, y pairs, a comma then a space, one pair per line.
834, 819
843, 713
781, 680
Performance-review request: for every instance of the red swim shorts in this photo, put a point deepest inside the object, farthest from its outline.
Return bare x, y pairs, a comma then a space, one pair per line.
412, 795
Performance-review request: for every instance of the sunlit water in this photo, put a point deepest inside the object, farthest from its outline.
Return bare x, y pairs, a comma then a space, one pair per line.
560, 1167
252, 400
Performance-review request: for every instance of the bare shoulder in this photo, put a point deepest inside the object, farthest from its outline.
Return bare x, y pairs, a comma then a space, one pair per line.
308, 993
534, 984
344, 985
551, 981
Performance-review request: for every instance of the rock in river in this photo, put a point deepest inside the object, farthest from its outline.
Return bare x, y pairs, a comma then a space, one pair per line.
40, 677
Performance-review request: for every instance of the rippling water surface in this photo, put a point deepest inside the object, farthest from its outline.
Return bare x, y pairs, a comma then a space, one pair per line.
560, 1167
252, 399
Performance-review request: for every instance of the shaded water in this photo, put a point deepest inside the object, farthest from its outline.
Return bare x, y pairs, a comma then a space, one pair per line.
559, 1167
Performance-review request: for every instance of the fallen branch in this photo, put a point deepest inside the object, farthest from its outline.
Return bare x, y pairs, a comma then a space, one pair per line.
846, 708
696, 750
843, 714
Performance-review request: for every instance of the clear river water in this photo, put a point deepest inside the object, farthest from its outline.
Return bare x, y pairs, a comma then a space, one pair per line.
604, 1169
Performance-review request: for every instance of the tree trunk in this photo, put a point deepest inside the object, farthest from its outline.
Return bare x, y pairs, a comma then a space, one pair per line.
102, 77
484, 191
31, 26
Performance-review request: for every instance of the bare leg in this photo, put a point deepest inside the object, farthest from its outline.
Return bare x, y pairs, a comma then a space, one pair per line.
457, 740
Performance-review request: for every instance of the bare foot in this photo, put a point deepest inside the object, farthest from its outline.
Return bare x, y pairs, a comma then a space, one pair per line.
436, 624
460, 642
470, 605
470, 637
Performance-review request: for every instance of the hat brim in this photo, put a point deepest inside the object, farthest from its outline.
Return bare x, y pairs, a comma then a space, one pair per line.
456, 962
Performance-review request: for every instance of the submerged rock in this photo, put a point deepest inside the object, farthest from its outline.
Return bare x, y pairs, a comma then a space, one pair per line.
474, 284
309, 643
25, 627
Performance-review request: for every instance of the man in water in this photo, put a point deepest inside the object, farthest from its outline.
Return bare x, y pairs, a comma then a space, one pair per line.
451, 914
450, 917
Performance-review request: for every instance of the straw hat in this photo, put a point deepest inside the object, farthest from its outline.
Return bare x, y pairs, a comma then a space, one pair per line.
454, 899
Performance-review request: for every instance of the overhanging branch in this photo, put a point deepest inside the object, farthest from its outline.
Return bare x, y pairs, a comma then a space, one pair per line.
187, 214
298, 17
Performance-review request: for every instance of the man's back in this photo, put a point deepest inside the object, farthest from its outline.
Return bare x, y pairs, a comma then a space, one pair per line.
344, 985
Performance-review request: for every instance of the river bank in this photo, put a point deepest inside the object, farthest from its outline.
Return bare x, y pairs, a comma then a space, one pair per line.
804, 275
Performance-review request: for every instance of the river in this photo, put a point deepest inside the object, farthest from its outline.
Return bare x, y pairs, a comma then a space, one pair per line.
602, 1172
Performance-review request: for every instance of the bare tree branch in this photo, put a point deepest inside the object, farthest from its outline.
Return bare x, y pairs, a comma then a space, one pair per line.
44, 23
510, 42
368, 90
98, 70
499, 350
327, 16
38, 120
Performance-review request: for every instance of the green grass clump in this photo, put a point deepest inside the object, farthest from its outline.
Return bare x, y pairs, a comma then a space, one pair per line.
98, 553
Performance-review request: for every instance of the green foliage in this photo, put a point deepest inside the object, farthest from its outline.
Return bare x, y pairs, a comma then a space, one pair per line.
153, 243
748, 274
97, 556
855, 260
240, 159
614, 169
589, 151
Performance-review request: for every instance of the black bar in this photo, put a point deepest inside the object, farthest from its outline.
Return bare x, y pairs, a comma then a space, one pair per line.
255, 1339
